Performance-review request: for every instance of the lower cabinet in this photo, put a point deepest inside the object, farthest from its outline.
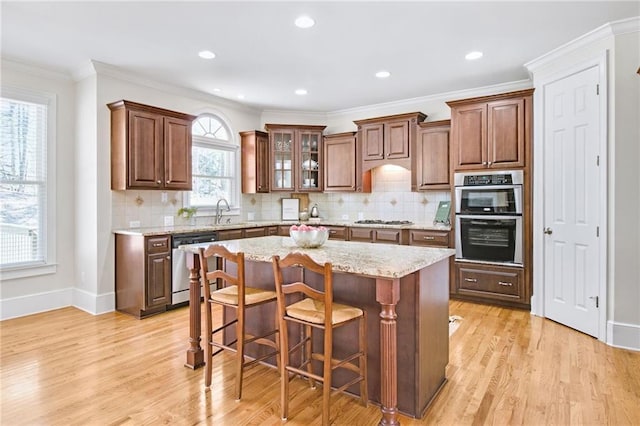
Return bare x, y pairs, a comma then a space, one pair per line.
376, 235
337, 232
143, 274
490, 283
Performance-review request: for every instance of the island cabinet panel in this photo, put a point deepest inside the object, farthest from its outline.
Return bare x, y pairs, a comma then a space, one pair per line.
255, 165
422, 330
491, 131
388, 140
255, 232
143, 274
432, 165
150, 147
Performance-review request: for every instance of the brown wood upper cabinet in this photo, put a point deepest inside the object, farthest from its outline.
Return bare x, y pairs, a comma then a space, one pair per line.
342, 165
491, 131
255, 161
388, 140
150, 147
296, 157
432, 165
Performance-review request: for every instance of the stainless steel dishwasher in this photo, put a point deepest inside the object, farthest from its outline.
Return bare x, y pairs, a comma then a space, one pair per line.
180, 273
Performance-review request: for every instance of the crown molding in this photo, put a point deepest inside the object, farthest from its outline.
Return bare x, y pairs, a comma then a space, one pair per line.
605, 31
34, 69
103, 69
413, 103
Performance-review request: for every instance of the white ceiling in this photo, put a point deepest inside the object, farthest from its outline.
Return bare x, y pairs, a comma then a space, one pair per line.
261, 54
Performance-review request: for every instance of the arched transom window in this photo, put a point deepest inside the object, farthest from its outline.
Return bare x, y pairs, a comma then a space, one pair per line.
214, 163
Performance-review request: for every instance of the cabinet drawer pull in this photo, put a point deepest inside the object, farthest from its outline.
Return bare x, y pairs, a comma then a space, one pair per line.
332, 232
429, 238
505, 283
471, 280
158, 244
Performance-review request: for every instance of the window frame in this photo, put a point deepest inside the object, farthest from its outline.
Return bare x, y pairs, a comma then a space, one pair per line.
48, 219
230, 145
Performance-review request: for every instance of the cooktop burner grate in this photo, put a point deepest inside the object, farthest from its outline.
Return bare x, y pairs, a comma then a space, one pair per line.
384, 222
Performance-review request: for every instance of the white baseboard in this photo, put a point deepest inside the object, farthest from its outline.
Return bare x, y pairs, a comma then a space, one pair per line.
625, 336
94, 304
35, 303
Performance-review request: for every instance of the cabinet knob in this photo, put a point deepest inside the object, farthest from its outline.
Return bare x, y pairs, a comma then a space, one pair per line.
168, 181
484, 163
490, 162
168, 257
158, 182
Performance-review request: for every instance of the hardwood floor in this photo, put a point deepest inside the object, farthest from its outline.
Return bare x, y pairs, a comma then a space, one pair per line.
506, 367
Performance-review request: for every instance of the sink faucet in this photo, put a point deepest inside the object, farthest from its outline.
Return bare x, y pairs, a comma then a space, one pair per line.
218, 212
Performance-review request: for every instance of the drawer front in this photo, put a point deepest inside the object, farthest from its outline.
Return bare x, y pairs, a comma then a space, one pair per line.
158, 244
230, 234
283, 230
337, 232
496, 282
429, 238
361, 234
389, 236
254, 232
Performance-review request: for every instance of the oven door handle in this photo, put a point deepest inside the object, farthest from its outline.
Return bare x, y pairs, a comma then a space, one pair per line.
484, 218
487, 187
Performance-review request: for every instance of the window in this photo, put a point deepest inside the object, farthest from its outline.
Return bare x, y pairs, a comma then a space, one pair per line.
26, 183
214, 168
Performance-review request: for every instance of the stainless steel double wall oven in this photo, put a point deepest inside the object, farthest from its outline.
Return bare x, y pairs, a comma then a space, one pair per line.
489, 218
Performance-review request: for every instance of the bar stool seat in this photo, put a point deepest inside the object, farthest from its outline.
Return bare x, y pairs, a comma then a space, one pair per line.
313, 311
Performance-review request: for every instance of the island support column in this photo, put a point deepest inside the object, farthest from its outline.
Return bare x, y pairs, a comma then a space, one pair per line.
388, 295
195, 354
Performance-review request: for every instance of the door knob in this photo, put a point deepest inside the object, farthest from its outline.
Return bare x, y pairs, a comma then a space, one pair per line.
548, 231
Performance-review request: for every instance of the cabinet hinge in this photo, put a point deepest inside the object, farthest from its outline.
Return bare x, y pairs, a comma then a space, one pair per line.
597, 89
597, 231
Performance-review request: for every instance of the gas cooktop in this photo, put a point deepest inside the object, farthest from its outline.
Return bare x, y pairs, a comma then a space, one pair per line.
384, 222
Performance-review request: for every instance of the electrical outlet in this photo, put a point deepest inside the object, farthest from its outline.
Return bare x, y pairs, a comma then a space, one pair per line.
360, 216
168, 221
134, 224
345, 217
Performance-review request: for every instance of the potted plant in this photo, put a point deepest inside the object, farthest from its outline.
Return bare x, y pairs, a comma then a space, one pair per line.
187, 213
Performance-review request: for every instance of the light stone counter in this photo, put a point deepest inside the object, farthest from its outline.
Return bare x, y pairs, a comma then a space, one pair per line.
373, 260
181, 229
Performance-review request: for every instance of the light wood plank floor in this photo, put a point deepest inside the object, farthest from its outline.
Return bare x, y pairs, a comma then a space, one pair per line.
67, 367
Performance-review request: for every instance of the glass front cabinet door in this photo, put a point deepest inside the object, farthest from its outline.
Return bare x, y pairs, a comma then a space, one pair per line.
297, 157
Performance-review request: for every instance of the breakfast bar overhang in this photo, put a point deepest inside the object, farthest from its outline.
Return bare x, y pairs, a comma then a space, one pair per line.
405, 291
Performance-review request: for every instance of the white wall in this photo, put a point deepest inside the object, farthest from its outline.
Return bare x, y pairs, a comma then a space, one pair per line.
28, 295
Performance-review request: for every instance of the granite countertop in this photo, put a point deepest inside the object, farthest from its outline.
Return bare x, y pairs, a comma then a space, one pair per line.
368, 259
164, 230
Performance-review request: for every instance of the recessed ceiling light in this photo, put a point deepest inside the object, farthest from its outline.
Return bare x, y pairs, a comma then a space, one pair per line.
473, 55
301, 92
383, 74
240, 96
216, 89
304, 21
206, 54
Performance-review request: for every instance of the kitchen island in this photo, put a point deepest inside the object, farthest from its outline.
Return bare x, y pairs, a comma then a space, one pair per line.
405, 287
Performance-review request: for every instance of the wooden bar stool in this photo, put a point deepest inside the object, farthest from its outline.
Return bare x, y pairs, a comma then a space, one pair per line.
315, 310
235, 295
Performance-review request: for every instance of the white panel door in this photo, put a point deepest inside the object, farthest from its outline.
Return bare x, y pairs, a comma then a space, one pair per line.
571, 201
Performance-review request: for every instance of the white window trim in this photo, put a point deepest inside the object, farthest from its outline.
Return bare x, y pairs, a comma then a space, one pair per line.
50, 264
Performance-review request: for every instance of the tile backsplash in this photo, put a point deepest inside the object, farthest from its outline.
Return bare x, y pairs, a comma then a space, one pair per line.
391, 198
